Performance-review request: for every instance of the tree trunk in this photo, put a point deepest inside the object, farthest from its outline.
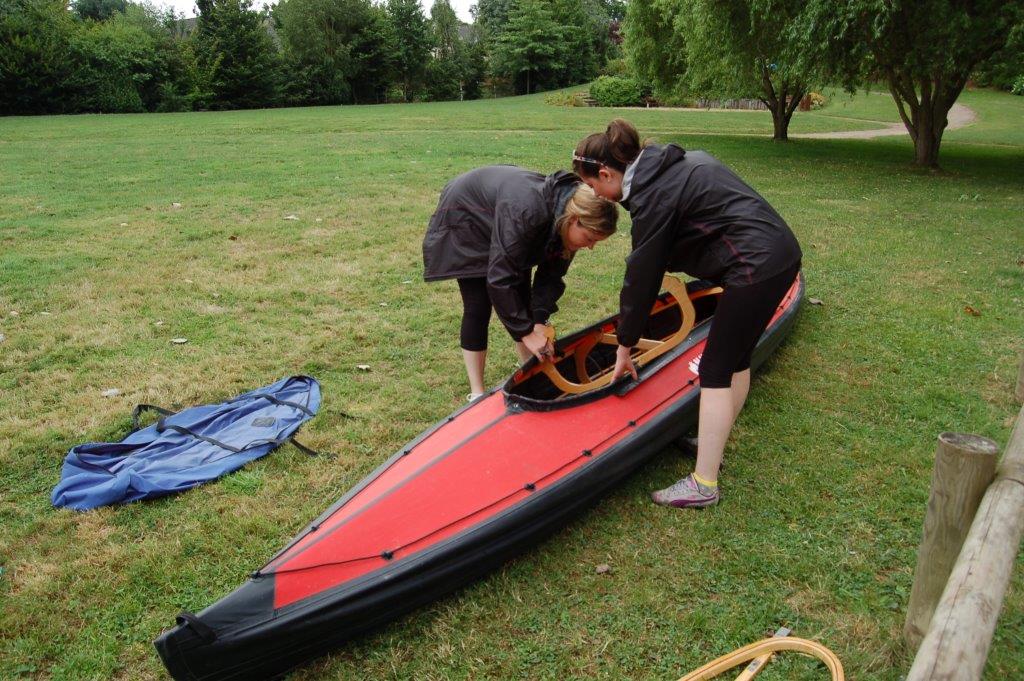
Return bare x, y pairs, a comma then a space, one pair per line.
780, 103
928, 112
780, 122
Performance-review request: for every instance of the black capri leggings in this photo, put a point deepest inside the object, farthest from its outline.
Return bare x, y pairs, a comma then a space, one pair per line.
476, 311
741, 317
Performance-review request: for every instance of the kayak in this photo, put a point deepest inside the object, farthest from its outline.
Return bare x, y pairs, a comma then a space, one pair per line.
482, 485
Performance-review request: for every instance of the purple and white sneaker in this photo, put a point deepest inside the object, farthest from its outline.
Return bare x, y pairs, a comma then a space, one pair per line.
687, 493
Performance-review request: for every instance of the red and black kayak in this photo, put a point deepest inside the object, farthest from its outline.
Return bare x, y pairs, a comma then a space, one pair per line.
481, 486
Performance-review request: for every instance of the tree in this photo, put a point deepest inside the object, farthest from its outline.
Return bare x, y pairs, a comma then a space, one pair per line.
491, 16
655, 45
374, 54
445, 72
412, 43
320, 43
723, 48
584, 39
234, 55
531, 46
924, 50
35, 60
99, 10
739, 48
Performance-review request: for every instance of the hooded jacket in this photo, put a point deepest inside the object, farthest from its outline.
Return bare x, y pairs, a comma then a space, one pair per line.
498, 222
692, 214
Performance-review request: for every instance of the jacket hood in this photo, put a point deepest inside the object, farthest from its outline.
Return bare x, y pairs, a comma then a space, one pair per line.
653, 161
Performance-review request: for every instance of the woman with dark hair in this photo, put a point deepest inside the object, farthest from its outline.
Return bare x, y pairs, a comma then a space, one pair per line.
692, 214
491, 227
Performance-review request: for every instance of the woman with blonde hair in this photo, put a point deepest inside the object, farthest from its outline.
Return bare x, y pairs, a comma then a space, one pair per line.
492, 226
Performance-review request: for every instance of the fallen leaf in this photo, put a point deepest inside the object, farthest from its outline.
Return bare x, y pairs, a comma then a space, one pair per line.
319, 219
815, 301
603, 569
291, 217
179, 341
2, 338
383, 304
159, 323
175, 205
233, 238
124, 224
45, 313
971, 311
111, 392
363, 367
407, 281
14, 313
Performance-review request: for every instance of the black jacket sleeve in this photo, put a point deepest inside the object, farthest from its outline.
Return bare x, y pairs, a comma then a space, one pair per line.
653, 235
548, 287
508, 267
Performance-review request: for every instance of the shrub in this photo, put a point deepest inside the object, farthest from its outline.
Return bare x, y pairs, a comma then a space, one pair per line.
565, 98
616, 91
1018, 86
817, 100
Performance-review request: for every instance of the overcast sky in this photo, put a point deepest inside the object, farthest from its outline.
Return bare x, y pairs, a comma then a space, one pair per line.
189, 6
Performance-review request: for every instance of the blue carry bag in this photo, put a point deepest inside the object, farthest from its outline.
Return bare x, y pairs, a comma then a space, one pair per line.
187, 448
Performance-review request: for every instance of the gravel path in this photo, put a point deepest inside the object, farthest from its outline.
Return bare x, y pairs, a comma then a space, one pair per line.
959, 116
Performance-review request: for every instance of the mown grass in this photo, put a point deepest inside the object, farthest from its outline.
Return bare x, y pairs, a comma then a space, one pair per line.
826, 477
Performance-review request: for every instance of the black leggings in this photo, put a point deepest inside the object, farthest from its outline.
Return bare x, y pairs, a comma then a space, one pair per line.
476, 311
741, 317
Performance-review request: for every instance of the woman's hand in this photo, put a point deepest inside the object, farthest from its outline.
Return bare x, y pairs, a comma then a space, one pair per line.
623, 363
538, 343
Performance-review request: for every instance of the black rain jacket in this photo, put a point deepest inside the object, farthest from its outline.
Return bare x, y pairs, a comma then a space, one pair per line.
692, 214
498, 222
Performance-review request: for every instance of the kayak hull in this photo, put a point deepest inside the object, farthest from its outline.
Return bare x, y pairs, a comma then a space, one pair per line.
299, 607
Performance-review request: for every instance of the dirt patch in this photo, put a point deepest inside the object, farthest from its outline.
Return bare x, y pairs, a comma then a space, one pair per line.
959, 117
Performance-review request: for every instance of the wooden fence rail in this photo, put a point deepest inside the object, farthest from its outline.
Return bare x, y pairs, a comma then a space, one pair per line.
959, 634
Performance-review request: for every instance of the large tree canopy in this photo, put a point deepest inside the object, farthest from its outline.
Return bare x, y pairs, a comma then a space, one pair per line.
924, 50
655, 44
721, 48
749, 48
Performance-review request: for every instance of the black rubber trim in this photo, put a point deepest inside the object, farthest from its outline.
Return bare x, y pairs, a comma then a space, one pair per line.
204, 631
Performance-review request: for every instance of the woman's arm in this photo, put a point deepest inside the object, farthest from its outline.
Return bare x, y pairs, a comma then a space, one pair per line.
507, 269
548, 287
653, 237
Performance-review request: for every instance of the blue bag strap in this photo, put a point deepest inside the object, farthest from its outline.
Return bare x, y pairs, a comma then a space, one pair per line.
161, 426
139, 408
286, 403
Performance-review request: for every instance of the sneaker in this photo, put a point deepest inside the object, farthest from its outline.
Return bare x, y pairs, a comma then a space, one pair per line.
472, 397
687, 493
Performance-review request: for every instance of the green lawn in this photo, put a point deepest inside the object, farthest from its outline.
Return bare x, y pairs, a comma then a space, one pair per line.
826, 477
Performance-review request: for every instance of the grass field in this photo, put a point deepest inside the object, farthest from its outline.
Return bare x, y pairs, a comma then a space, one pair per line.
826, 476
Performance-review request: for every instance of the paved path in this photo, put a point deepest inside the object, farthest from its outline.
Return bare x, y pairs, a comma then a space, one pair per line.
959, 116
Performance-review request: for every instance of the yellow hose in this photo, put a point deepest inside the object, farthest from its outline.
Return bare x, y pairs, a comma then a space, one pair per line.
768, 646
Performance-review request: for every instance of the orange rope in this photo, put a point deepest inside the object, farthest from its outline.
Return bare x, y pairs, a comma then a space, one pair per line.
768, 646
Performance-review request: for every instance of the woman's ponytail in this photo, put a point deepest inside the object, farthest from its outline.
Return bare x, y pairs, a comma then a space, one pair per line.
616, 147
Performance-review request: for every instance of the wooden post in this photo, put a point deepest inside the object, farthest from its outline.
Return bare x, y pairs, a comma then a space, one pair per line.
958, 640
1020, 380
964, 468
